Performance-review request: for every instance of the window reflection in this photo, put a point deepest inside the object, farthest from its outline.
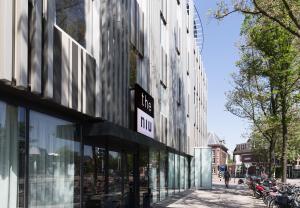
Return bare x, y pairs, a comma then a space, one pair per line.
70, 16
163, 175
182, 179
186, 175
12, 151
154, 174
177, 173
94, 176
114, 179
54, 158
143, 170
171, 174
128, 198
21, 152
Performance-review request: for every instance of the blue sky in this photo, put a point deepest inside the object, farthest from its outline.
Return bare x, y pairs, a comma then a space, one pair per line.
219, 56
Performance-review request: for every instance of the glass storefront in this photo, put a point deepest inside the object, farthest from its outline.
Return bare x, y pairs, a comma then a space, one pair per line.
108, 178
128, 196
143, 177
171, 174
112, 176
186, 175
182, 173
12, 151
94, 176
154, 174
54, 162
163, 175
114, 196
177, 173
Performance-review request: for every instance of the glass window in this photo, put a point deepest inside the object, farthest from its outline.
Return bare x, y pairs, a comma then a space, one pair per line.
70, 16
114, 195
94, 176
143, 171
162, 175
171, 174
177, 173
182, 170
192, 173
133, 63
54, 161
12, 154
186, 175
128, 198
154, 174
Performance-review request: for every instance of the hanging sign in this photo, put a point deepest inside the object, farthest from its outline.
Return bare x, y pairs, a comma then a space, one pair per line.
144, 109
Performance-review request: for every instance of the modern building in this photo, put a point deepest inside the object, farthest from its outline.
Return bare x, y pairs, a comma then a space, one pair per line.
219, 152
101, 101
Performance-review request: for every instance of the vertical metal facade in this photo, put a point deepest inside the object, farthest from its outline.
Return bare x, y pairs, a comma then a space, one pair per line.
40, 58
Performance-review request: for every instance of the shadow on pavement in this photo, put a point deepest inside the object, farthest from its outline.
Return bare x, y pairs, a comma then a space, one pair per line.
236, 196
173, 199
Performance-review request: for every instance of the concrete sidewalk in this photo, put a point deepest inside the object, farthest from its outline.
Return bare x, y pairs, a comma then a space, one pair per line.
237, 196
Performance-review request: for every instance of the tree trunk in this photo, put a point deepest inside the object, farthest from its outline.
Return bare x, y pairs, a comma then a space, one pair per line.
284, 140
271, 153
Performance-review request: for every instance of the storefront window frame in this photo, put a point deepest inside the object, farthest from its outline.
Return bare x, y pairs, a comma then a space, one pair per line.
70, 118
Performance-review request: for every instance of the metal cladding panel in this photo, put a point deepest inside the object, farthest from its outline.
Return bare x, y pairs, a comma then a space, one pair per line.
75, 70
90, 85
6, 41
65, 70
49, 15
79, 79
83, 77
113, 62
36, 46
57, 65
21, 43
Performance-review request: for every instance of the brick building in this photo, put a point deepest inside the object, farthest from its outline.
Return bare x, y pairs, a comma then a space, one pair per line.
219, 152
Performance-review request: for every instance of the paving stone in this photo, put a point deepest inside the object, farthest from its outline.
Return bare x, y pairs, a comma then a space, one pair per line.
237, 196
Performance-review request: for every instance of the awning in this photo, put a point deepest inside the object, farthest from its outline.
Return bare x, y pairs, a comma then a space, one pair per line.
111, 131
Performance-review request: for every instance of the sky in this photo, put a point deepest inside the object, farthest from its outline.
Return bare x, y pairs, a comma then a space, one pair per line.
219, 55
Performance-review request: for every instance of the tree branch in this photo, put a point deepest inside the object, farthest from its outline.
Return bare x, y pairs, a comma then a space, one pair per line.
297, 34
236, 10
290, 13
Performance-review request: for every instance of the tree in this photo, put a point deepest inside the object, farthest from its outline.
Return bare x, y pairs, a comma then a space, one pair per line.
267, 86
251, 99
277, 45
284, 13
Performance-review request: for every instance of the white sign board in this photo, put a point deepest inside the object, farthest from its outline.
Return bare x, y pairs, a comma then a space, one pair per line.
145, 123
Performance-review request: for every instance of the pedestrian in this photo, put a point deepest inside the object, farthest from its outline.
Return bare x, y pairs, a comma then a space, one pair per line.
226, 177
